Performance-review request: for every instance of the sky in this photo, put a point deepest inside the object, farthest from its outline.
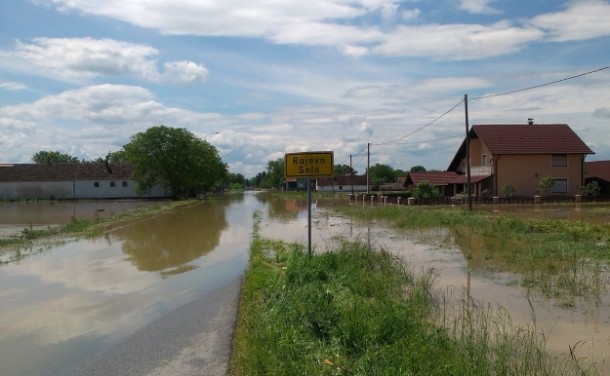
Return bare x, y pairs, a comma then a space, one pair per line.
261, 78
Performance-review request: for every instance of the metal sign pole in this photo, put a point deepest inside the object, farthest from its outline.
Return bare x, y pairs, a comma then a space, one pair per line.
309, 216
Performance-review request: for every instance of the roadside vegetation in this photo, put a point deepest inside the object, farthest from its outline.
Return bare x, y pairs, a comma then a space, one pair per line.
360, 311
561, 259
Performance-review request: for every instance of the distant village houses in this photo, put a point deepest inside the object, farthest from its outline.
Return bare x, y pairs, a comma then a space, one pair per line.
70, 181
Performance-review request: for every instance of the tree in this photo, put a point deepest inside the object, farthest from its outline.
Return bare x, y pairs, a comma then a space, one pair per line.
176, 159
48, 157
381, 173
425, 191
343, 169
508, 190
273, 177
544, 185
417, 168
592, 189
235, 181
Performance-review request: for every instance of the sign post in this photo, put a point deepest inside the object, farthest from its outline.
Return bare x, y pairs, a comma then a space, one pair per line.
309, 165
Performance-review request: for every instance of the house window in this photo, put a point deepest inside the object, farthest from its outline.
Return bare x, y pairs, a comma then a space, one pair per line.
124, 184
340, 187
96, 184
484, 160
112, 184
559, 160
560, 186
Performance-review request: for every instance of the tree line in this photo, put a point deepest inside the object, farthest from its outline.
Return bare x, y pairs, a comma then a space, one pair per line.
177, 159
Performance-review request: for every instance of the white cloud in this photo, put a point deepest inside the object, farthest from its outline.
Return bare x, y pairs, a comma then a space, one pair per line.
457, 41
411, 14
389, 10
12, 86
184, 72
479, 6
581, 20
87, 58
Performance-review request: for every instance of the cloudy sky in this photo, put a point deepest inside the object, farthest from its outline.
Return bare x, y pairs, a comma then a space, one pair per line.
260, 78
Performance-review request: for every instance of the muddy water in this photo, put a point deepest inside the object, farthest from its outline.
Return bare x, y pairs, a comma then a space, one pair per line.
583, 325
15, 216
67, 303
63, 305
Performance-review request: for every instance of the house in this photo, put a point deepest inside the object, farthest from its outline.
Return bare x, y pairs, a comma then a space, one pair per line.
70, 181
343, 183
521, 155
442, 180
599, 171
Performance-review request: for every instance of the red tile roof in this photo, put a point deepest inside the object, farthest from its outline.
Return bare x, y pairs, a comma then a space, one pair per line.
64, 171
531, 139
433, 177
598, 169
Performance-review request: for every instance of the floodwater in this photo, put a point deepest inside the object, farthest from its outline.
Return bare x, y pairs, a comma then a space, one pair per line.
67, 302
15, 216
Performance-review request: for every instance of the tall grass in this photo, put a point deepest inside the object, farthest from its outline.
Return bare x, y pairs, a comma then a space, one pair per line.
562, 259
359, 311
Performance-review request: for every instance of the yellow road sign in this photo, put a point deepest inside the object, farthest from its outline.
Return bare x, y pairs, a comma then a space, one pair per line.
309, 164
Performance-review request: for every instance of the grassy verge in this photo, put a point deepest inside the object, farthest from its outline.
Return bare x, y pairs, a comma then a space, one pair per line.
559, 258
357, 311
85, 227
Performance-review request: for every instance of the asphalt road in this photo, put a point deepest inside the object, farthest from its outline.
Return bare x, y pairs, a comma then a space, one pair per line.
194, 339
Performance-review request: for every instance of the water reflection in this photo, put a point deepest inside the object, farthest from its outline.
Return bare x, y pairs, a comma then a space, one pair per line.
70, 302
280, 207
168, 242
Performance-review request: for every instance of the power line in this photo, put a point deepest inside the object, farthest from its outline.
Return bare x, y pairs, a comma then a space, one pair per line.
541, 85
421, 128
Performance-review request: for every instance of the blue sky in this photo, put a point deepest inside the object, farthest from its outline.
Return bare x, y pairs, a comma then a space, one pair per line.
258, 79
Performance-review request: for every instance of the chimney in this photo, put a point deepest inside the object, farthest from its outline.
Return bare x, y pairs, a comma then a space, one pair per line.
530, 121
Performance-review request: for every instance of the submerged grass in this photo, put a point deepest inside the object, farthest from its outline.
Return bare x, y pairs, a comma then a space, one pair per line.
559, 258
358, 311
24, 244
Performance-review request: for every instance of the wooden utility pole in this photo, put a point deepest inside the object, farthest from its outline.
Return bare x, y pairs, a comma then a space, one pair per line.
351, 173
368, 168
468, 180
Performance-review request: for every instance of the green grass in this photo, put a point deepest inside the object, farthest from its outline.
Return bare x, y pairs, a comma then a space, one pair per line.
562, 259
357, 311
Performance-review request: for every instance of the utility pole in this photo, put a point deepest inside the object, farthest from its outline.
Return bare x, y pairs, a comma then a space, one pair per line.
468, 180
368, 168
351, 173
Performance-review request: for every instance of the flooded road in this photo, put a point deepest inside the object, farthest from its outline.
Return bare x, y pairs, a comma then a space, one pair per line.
64, 305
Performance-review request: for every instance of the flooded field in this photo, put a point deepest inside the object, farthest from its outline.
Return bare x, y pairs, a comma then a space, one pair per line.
63, 305
15, 216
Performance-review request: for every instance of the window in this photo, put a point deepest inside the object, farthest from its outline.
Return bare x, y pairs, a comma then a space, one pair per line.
124, 184
112, 184
560, 186
559, 160
96, 184
484, 160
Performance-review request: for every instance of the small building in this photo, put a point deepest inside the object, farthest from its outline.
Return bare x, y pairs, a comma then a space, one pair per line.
522, 155
63, 181
442, 180
343, 183
599, 171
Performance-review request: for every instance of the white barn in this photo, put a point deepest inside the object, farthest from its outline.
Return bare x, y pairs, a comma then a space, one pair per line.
70, 181
343, 183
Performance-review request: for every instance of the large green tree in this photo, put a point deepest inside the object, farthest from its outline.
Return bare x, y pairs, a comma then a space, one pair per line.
343, 169
47, 157
174, 158
381, 173
273, 177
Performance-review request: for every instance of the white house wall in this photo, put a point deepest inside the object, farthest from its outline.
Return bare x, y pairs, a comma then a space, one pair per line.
35, 190
341, 188
74, 189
